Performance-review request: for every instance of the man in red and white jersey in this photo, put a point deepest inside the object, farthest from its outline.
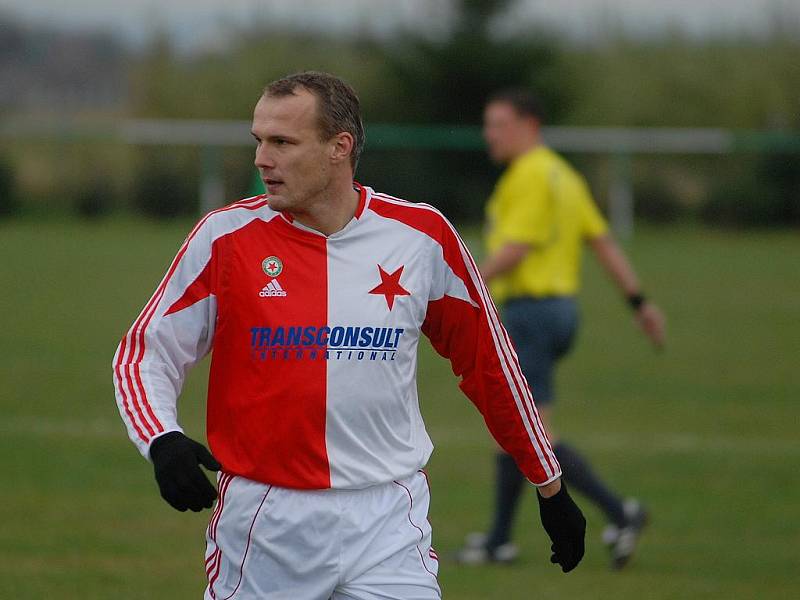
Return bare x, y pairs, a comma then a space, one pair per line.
312, 299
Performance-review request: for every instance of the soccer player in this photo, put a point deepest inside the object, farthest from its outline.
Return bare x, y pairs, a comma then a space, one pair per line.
538, 218
311, 299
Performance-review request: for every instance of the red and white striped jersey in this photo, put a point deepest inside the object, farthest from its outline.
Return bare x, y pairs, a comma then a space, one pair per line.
314, 345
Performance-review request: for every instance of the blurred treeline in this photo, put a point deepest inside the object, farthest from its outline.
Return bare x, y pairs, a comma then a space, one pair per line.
411, 77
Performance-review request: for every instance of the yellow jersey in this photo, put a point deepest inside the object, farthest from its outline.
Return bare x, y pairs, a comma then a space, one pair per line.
542, 201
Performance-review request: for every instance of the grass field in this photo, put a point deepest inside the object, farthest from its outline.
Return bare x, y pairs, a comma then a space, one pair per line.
706, 433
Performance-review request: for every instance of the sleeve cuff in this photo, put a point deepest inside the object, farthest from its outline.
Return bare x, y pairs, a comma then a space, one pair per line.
155, 437
549, 481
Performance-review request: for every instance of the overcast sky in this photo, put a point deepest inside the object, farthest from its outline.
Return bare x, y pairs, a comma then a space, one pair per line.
199, 21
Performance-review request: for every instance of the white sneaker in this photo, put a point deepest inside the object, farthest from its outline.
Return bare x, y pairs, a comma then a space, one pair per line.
475, 551
622, 541
610, 535
476, 539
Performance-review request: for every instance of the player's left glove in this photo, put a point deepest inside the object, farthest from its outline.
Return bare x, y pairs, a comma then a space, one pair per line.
176, 461
564, 523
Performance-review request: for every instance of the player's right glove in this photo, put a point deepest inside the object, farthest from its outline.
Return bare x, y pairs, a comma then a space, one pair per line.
564, 523
176, 461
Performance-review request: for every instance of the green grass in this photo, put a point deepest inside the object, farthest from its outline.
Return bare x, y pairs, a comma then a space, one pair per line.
705, 433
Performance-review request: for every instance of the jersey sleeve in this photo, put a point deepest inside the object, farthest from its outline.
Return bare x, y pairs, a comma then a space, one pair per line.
593, 225
172, 333
463, 325
525, 212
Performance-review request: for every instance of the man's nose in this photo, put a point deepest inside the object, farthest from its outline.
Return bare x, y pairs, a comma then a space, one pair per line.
263, 159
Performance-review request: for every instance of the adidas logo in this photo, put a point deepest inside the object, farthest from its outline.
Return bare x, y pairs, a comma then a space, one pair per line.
273, 288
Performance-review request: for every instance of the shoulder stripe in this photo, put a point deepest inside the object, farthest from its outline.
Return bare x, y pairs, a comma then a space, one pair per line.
525, 403
505, 349
132, 348
401, 202
242, 202
422, 217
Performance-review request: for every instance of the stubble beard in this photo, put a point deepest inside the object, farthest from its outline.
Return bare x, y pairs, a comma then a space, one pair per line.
297, 204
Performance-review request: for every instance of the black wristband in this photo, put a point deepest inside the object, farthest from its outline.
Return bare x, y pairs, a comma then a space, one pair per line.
635, 301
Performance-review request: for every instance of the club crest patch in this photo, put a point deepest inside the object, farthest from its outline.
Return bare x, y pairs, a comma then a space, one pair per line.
272, 265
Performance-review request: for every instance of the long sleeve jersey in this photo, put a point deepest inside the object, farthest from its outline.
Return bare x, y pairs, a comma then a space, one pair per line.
314, 339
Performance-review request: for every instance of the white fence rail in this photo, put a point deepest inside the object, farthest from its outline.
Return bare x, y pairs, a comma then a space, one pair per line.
619, 143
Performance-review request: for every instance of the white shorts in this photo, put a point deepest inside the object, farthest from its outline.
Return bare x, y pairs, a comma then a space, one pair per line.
270, 543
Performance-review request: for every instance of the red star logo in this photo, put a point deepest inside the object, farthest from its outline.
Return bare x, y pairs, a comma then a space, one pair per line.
390, 285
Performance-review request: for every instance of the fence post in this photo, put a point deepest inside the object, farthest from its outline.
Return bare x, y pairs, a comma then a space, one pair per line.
620, 196
212, 189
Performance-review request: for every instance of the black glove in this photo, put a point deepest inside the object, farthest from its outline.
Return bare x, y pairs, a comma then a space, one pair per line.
564, 523
176, 461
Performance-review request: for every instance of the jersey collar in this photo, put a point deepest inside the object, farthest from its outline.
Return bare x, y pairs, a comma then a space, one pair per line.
364, 196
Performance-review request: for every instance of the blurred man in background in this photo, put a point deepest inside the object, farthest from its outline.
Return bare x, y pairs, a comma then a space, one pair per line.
539, 216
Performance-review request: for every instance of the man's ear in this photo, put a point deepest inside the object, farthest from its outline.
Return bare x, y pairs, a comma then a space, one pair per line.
342, 147
534, 123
